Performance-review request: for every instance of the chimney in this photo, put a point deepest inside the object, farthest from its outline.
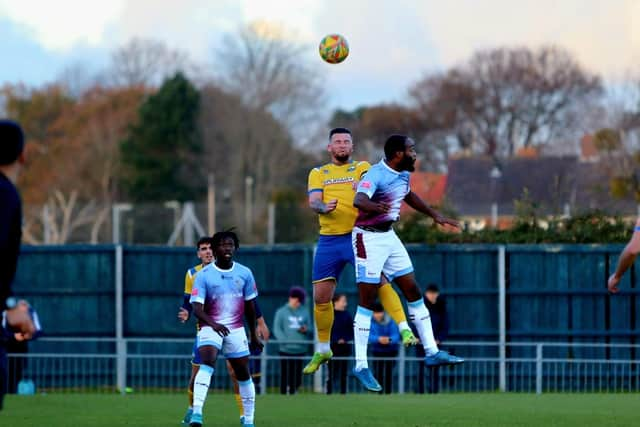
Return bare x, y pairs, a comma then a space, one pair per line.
588, 149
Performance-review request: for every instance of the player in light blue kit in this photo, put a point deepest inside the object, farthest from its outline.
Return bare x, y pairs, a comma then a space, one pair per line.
378, 249
224, 292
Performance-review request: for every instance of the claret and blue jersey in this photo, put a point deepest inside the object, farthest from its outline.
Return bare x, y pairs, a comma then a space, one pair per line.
383, 184
224, 292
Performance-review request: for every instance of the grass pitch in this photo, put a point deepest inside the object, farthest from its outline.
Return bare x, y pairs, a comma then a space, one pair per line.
307, 410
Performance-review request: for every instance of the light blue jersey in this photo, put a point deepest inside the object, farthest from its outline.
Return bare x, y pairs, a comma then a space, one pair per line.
383, 184
223, 293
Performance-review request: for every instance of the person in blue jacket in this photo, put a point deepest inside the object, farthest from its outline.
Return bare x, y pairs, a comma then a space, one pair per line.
384, 339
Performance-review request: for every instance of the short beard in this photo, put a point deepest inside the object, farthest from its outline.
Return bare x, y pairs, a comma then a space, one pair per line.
408, 165
342, 159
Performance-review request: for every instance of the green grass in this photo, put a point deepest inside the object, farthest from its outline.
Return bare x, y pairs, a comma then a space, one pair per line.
331, 411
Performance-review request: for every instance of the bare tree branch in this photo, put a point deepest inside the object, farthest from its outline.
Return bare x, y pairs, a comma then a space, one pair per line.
508, 98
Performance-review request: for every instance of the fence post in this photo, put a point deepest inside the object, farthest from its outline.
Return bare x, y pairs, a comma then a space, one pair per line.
401, 370
539, 368
502, 316
264, 370
121, 344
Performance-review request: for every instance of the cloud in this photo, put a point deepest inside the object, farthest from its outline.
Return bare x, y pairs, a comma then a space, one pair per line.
598, 33
61, 24
392, 43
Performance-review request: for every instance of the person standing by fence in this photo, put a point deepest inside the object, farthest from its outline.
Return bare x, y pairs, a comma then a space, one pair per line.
440, 325
341, 337
384, 338
290, 326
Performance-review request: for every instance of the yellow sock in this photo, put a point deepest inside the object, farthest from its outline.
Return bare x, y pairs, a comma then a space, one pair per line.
391, 302
323, 314
239, 403
190, 398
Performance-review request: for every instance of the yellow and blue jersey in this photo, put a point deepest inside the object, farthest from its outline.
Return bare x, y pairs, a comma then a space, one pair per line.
337, 182
189, 279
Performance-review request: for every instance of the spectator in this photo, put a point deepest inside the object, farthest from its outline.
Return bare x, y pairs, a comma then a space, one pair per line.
384, 337
440, 325
290, 326
341, 338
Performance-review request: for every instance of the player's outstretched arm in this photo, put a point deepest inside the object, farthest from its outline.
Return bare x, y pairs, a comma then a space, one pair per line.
365, 204
418, 204
626, 260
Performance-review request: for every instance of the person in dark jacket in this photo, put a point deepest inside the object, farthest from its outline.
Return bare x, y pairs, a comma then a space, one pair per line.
341, 338
384, 338
17, 318
440, 324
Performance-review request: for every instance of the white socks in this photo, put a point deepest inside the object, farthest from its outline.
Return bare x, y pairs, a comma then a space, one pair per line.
420, 317
248, 396
323, 347
361, 326
403, 326
201, 387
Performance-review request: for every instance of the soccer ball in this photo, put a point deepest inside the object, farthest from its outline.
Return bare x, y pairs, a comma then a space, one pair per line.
334, 48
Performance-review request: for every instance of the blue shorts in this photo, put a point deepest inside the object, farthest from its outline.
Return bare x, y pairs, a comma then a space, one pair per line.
195, 354
332, 254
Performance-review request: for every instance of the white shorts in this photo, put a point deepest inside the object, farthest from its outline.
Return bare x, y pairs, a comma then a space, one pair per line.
233, 346
379, 252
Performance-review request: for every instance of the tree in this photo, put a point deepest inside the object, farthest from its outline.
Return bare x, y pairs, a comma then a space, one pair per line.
244, 142
160, 152
372, 125
92, 130
268, 70
73, 155
506, 98
36, 109
145, 62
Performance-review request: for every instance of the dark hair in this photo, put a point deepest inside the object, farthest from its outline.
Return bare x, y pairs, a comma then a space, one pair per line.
432, 287
203, 240
11, 142
227, 234
394, 144
297, 292
377, 308
336, 297
338, 130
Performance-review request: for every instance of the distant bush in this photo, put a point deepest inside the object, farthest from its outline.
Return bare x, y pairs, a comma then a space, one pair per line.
587, 227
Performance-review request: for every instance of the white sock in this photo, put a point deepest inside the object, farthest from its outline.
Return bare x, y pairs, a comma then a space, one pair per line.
422, 320
403, 326
248, 395
323, 347
201, 387
361, 326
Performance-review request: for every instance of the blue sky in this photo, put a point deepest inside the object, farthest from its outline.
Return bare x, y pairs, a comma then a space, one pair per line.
393, 43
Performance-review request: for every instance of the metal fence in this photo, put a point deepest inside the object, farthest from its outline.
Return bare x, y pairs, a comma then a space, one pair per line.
145, 367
